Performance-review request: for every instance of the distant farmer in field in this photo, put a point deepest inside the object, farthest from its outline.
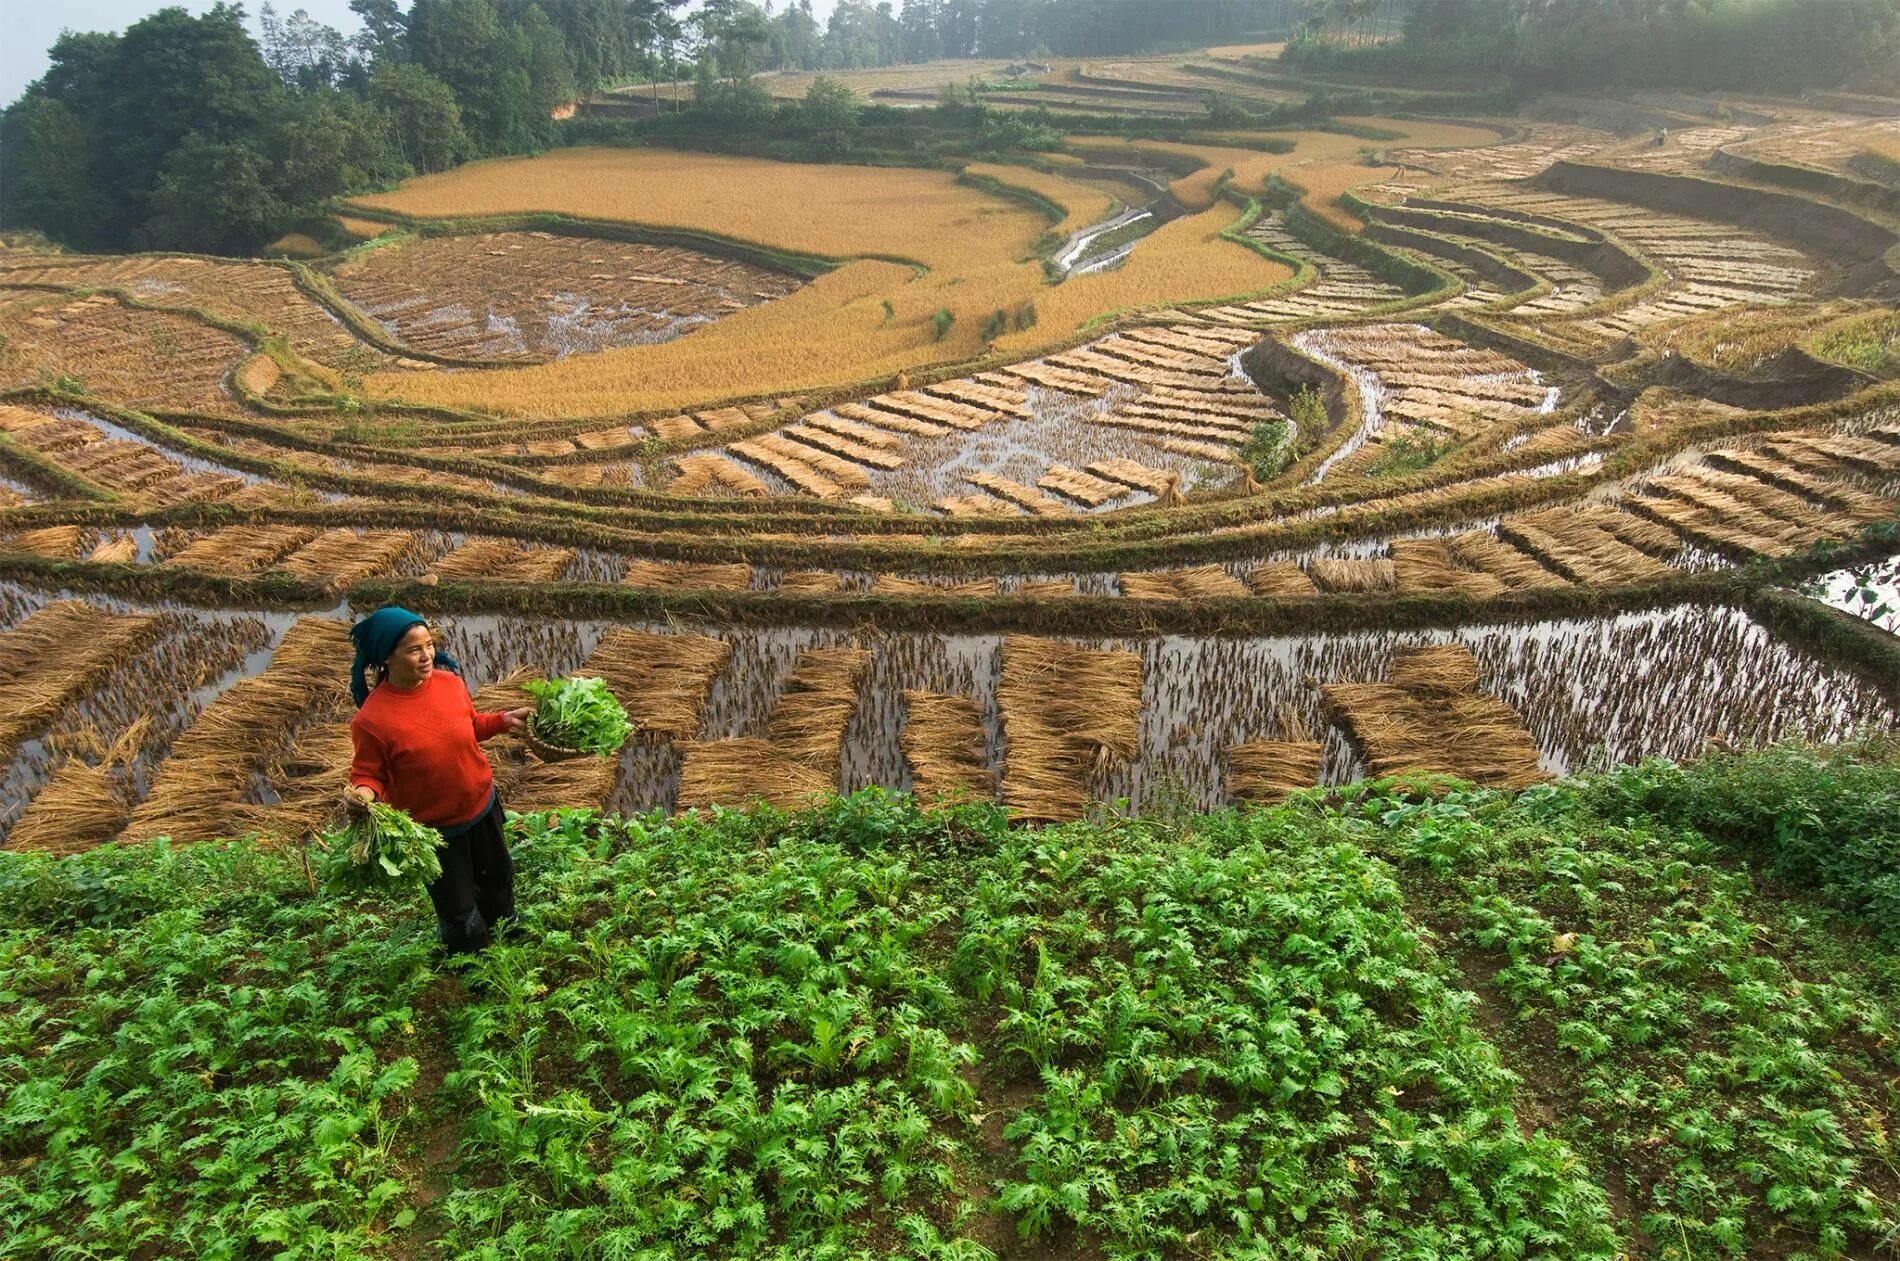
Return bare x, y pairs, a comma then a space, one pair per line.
415, 737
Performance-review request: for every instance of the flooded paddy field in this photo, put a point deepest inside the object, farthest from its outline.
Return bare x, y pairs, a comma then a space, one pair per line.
806, 709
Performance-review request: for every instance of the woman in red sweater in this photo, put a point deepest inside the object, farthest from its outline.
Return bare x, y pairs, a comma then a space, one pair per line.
415, 738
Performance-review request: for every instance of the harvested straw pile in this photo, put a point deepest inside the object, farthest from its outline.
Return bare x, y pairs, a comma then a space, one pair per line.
339, 559
60, 542
810, 582
81, 806
1067, 711
120, 551
240, 549
654, 575
1486, 554
1440, 668
808, 722
799, 472
709, 474
497, 560
57, 654
973, 588
962, 506
1581, 551
1341, 574
1047, 588
1426, 565
734, 772
198, 790
584, 782
1281, 578
1269, 771
1085, 488
662, 680
1130, 473
1022, 496
946, 745
1203, 582
1429, 720
308, 778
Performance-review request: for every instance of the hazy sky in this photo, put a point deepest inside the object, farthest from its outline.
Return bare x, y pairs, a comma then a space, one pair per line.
29, 27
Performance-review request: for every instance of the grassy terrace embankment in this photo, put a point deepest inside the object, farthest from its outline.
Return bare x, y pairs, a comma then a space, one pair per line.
1369, 1023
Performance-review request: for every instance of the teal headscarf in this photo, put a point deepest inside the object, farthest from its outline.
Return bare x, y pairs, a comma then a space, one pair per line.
376, 637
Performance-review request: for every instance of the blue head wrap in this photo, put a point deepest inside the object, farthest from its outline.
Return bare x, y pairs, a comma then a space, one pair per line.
376, 637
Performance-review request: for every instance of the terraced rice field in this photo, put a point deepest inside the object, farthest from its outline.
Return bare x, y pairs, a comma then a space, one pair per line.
247, 733
532, 295
1172, 526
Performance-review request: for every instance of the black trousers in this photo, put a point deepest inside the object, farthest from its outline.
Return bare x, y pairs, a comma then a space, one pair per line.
476, 890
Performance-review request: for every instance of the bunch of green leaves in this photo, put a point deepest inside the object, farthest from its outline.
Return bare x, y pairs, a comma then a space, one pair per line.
381, 850
578, 713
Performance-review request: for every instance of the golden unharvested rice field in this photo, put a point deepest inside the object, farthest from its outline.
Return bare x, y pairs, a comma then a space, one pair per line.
973, 256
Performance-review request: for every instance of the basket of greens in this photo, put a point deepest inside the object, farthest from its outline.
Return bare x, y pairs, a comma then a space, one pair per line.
381, 850
574, 717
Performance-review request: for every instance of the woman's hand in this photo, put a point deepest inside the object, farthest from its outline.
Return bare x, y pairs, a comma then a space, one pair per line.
357, 799
517, 718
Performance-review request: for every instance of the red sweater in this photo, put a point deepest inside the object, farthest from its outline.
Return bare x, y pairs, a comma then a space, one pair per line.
417, 750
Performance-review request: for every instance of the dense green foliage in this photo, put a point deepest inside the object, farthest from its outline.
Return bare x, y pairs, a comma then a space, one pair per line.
868, 1030
1826, 820
184, 133
1410, 452
1547, 45
1268, 449
1692, 1033
578, 713
381, 850
187, 133
861, 33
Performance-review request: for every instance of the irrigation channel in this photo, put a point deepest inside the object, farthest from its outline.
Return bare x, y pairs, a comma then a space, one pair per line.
1579, 693
1107, 244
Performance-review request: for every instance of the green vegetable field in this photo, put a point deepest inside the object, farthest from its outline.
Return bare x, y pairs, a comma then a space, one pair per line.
1612, 1016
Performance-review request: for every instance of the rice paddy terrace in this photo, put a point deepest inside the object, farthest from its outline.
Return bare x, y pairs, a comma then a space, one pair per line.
1498, 457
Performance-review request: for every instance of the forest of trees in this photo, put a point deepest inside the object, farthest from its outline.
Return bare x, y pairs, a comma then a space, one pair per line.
192, 133
1573, 45
195, 133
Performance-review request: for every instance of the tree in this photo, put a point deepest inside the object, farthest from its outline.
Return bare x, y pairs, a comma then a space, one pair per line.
332, 144
734, 30
384, 39
51, 157
214, 197
304, 52
176, 78
830, 114
488, 64
424, 121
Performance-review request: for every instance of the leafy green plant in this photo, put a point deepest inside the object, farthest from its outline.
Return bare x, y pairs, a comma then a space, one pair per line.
1307, 410
382, 850
1827, 820
578, 713
1268, 449
1689, 1030
941, 322
1409, 452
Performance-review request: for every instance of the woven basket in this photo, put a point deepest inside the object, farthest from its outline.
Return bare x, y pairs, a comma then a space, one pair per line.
550, 752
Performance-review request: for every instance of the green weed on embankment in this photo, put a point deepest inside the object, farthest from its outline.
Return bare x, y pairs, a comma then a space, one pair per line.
1371, 1023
